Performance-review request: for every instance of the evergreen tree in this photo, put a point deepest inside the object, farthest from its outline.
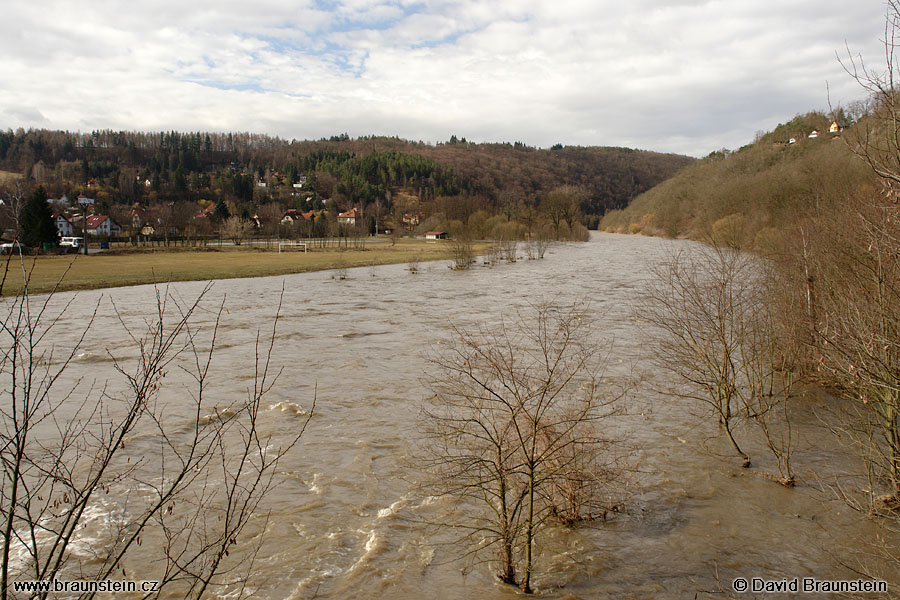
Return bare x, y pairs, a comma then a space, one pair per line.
36, 221
221, 213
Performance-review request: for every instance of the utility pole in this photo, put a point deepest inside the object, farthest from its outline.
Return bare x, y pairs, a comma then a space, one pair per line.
84, 202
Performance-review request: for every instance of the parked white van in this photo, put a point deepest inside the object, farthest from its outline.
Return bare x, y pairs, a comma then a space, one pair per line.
71, 242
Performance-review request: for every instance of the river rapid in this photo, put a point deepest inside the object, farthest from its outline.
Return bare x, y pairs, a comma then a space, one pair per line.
345, 521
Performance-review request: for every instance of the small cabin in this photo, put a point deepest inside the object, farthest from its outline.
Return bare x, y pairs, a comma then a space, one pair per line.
436, 235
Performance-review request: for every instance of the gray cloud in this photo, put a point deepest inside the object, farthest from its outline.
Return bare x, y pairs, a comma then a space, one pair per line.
683, 76
25, 114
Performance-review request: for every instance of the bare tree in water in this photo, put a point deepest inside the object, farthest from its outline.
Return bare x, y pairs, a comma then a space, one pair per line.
99, 482
514, 433
711, 327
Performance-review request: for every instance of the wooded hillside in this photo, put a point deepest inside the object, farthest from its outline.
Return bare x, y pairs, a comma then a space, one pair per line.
746, 197
249, 171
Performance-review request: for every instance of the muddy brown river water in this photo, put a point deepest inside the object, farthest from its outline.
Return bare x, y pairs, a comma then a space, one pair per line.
344, 521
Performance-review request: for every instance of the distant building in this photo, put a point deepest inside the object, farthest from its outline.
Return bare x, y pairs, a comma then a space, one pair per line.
142, 217
207, 212
814, 134
101, 225
833, 128
295, 216
435, 235
412, 219
349, 217
63, 225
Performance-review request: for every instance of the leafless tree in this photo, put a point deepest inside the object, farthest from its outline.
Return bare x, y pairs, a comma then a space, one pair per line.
876, 138
853, 339
769, 357
854, 258
175, 514
235, 229
511, 202
183, 213
712, 328
13, 197
563, 205
542, 241
513, 431
494, 254
270, 215
858, 329
461, 249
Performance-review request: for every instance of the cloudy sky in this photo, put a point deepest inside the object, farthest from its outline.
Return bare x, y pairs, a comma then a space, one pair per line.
686, 76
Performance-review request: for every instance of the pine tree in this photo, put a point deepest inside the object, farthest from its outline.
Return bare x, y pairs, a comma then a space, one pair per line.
221, 213
36, 221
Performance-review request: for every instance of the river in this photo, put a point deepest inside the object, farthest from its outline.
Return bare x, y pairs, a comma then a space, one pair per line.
345, 520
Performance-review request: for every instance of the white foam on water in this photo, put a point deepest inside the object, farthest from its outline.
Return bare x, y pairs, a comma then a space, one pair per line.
392, 509
218, 415
314, 486
289, 408
373, 544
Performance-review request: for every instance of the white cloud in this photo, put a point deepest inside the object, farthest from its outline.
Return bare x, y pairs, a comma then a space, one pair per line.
684, 76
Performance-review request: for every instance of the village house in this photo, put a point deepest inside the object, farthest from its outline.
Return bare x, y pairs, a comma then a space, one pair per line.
96, 225
63, 225
143, 220
436, 235
292, 215
59, 203
349, 217
412, 219
207, 212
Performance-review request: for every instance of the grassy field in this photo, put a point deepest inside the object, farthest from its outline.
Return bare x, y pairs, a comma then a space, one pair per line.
160, 265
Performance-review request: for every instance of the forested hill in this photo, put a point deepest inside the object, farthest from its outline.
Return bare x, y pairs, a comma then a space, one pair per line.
756, 194
246, 170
